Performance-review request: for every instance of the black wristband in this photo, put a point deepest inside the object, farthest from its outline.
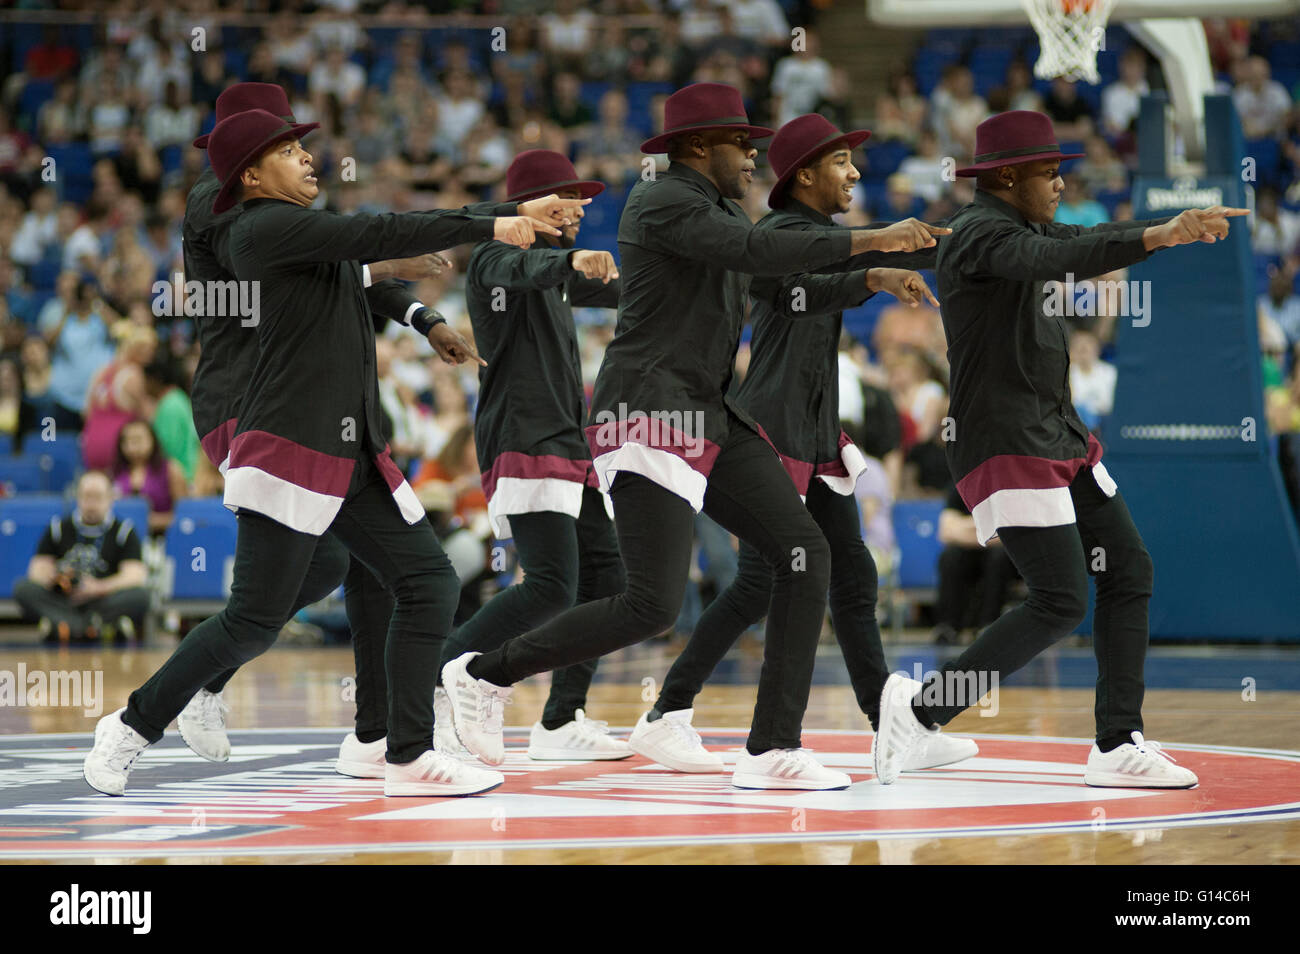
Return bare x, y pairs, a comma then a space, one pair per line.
424, 320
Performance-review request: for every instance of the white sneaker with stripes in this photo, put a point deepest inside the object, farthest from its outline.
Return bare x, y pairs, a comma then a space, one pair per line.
116, 748
582, 739
444, 729
478, 710
202, 724
938, 749
900, 736
359, 759
786, 769
433, 775
672, 742
1136, 764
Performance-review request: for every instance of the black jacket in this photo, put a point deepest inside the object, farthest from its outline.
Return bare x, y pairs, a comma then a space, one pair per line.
1018, 441
531, 405
311, 405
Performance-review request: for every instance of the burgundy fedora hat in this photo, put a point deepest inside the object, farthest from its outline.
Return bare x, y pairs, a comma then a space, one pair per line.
539, 172
238, 140
800, 141
1008, 139
702, 106
242, 96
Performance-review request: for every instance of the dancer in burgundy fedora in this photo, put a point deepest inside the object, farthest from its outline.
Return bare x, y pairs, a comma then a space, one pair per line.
308, 454
228, 351
792, 391
667, 441
537, 474
1024, 463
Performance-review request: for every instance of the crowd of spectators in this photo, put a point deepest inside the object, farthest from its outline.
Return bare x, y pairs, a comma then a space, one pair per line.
95, 163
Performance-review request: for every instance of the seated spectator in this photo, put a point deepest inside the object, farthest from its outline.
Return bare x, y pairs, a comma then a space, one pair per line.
609, 151
116, 395
1100, 169
1092, 381
17, 416
172, 122
567, 110
336, 74
1282, 305
173, 418
36, 379
460, 109
800, 81
62, 119
1275, 230
568, 33
901, 200
973, 580
38, 235
1262, 102
141, 470
88, 577
52, 58
1018, 88
1121, 100
1078, 207
1072, 115
956, 109
921, 400
925, 170
79, 347
110, 114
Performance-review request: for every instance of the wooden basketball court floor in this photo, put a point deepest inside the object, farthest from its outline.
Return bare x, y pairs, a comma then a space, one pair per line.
1195, 696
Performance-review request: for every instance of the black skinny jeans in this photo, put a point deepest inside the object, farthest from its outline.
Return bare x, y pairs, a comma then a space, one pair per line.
1055, 563
369, 607
271, 562
565, 562
750, 495
744, 603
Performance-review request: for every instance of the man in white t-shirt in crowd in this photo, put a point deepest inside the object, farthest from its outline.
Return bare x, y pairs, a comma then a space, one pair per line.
800, 81
1262, 102
1274, 230
1092, 381
1120, 100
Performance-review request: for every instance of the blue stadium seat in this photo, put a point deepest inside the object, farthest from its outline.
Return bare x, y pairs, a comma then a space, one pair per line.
884, 159
203, 532
36, 93
135, 509
73, 162
916, 529
22, 522
59, 459
44, 274
22, 474
6, 444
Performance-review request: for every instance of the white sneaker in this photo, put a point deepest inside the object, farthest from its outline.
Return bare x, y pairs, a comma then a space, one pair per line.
202, 724
900, 735
672, 741
1139, 764
433, 774
582, 739
444, 729
116, 748
478, 710
939, 749
786, 769
359, 759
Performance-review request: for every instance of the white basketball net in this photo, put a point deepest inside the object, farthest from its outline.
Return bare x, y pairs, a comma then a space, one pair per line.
1070, 32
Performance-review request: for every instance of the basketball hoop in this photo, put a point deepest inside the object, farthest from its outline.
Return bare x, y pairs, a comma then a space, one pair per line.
1070, 32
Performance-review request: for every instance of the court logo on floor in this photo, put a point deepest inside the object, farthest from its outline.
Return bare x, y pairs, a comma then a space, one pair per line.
279, 795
